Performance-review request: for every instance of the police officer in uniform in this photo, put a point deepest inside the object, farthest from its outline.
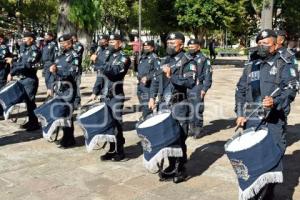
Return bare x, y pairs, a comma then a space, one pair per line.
197, 94
4, 53
148, 63
65, 70
78, 47
286, 54
179, 75
259, 79
115, 70
49, 52
99, 58
25, 68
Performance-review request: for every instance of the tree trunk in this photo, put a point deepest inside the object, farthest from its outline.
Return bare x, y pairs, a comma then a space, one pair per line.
267, 14
65, 26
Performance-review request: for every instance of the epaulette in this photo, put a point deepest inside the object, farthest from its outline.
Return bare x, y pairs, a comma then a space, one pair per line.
189, 57
287, 55
74, 54
34, 48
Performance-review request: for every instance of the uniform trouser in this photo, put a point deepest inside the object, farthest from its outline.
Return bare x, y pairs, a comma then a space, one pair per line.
2, 84
144, 96
116, 104
30, 86
49, 79
99, 84
69, 95
180, 112
77, 96
197, 107
68, 131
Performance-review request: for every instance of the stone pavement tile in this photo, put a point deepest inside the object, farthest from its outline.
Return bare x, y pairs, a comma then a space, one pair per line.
179, 192
145, 182
122, 191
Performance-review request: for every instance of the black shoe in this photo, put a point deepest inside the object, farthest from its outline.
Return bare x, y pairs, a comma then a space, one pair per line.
118, 157
107, 156
25, 126
67, 143
199, 133
33, 127
167, 174
179, 177
165, 177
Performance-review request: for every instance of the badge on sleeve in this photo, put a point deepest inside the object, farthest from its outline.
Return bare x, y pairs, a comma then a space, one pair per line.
192, 67
293, 72
76, 62
123, 59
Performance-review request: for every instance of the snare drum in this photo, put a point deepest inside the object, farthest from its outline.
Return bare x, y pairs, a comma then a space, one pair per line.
10, 95
98, 126
253, 155
53, 114
160, 134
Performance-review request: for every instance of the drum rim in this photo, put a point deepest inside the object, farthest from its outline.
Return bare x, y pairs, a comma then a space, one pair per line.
238, 134
9, 84
153, 115
92, 106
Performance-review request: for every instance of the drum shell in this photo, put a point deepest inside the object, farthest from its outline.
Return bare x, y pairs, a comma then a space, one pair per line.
259, 158
53, 110
100, 122
13, 95
161, 135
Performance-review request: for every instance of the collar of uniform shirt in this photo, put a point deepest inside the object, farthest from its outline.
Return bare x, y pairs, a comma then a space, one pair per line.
179, 56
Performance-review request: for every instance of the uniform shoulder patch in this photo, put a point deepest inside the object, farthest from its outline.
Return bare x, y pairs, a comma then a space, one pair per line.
34, 48
123, 59
193, 67
74, 54
293, 72
188, 56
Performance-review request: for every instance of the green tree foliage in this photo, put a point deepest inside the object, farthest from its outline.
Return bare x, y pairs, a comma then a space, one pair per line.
114, 14
85, 14
199, 16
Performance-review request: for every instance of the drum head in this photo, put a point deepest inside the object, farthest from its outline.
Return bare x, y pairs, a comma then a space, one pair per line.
8, 86
245, 140
154, 119
92, 111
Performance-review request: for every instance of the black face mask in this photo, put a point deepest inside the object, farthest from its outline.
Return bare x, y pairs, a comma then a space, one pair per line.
146, 51
171, 50
192, 51
263, 51
102, 45
112, 48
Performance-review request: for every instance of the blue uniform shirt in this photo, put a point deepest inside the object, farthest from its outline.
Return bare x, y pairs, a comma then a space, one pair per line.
148, 64
204, 71
183, 77
26, 63
49, 53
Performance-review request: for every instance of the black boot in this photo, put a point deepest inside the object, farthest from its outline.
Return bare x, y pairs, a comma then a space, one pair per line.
119, 155
68, 139
198, 133
191, 131
168, 173
110, 153
31, 125
180, 176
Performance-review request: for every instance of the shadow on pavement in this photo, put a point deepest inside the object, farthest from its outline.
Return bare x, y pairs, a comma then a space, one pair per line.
203, 157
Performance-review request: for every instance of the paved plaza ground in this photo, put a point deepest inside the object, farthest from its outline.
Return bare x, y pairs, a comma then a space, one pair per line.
32, 168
